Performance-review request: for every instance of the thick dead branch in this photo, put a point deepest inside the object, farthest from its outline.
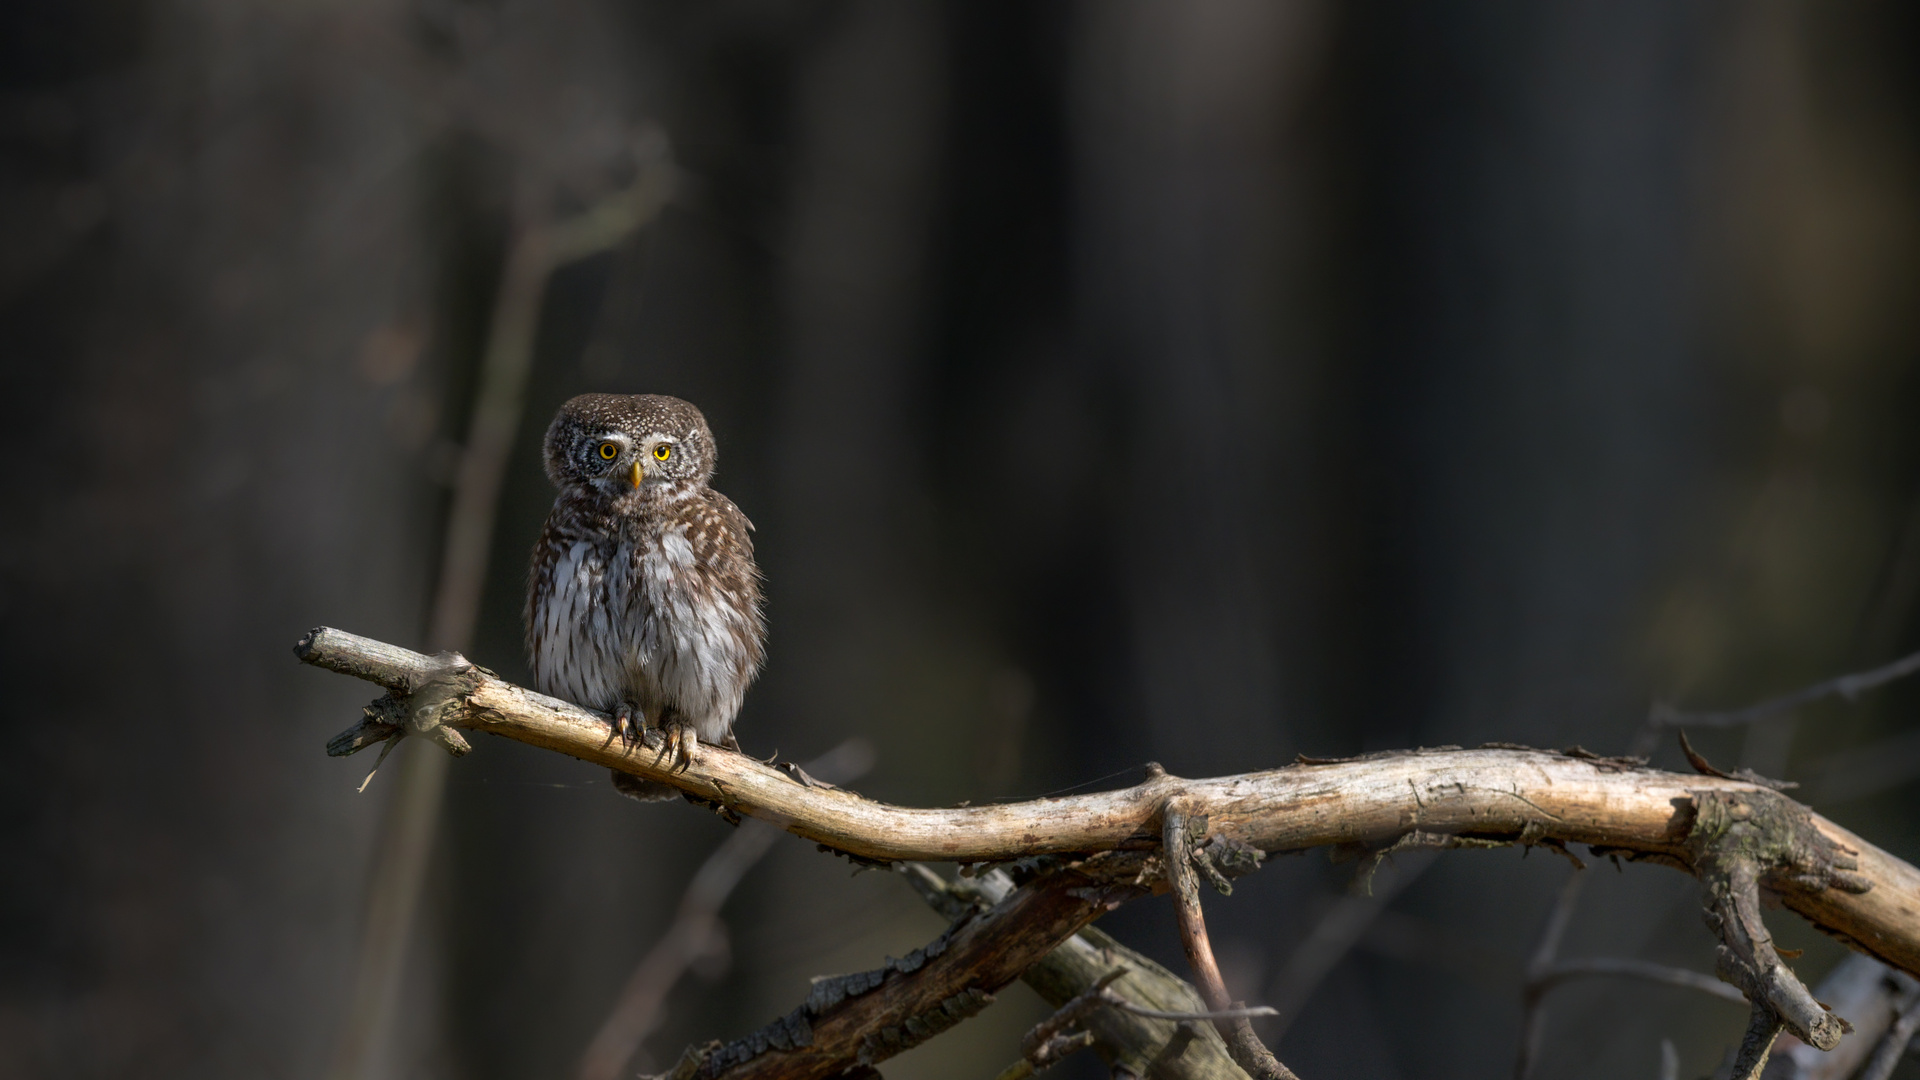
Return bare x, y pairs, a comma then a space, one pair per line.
1054, 1038
1146, 1040
861, 1019
1499, 794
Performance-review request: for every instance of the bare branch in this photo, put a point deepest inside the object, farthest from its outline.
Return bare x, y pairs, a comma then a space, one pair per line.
1735, 836
1500, 794
1135, 1040
1050, 1040
858, 1020
1849, 687
1644, 970
1178, 826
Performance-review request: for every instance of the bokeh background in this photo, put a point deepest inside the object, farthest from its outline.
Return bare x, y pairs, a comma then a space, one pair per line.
1109, 382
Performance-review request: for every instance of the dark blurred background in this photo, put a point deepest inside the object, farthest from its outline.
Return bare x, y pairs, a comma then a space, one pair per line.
1109, 382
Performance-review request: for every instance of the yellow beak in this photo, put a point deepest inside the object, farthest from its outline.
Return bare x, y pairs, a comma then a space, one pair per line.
639, 472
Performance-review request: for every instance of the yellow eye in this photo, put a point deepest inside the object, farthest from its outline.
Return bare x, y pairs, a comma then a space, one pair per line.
609, 451
662, 452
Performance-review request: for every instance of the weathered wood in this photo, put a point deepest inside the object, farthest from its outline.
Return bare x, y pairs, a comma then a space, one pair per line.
862, 1019
1130, 1043
1525, 796
399, 670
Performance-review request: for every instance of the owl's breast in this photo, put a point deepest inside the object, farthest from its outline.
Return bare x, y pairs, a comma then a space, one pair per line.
700, 635
575, 634
661, 609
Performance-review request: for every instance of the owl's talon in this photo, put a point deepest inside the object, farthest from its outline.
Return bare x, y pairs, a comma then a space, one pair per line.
624, 726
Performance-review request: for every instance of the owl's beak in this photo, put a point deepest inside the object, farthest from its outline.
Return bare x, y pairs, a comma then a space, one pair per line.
639, 472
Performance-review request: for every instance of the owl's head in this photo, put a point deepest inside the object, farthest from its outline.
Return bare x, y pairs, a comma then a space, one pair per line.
616, 443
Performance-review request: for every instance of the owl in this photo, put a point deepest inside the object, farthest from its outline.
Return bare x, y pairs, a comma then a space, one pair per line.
644, 600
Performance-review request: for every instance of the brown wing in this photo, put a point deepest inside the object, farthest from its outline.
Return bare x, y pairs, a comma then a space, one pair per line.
723, 543
736, 523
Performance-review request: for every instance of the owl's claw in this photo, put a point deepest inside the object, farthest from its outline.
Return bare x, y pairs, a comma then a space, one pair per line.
678, 747
624, 726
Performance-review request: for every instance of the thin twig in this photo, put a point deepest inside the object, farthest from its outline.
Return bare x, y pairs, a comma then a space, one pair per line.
1662, 715
696, 929
1177, 845
1644, 970
1865, 770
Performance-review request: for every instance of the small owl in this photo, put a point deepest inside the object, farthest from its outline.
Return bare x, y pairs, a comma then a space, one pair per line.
644, 600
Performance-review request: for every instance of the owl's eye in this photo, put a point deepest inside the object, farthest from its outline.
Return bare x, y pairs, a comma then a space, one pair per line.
662, 452
609, 451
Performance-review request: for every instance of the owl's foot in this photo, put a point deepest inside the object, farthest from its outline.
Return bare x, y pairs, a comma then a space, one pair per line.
628, 721
678, 746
